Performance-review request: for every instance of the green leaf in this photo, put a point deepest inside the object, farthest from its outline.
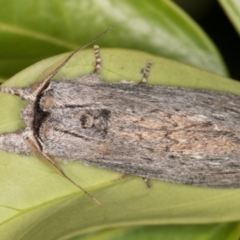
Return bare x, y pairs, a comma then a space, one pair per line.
33, 30
229, 231
232, 8
36, 203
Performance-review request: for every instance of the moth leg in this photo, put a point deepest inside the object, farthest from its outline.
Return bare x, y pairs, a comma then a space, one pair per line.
147, 182
14, 143
93, 78
98, 60
145, 72
123, 176
23, 93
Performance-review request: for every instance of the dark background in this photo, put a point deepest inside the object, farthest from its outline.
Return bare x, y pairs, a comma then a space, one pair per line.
213, 20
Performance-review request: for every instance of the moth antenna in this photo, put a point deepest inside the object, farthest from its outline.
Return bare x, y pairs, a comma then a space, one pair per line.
69, 179
37, 88
34, 145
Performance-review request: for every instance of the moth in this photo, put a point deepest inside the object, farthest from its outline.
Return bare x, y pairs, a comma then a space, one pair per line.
172, 134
